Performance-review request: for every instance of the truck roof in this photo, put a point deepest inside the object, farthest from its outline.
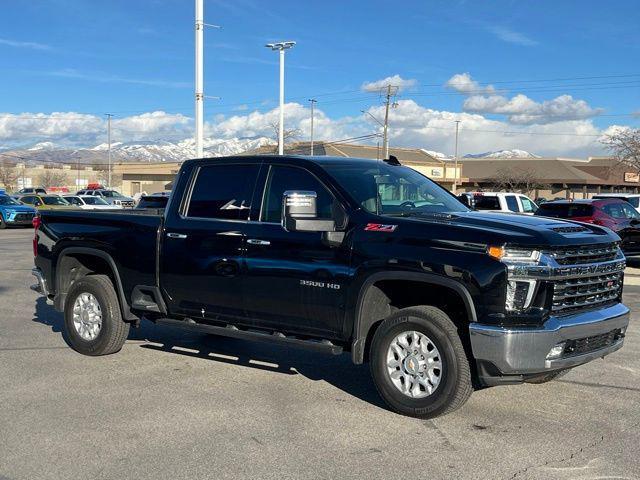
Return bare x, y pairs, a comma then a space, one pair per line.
318, 160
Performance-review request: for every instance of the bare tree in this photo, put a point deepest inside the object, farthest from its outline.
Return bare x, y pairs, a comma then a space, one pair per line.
52, 178
288, 134
517, 179
8, 175
624, 145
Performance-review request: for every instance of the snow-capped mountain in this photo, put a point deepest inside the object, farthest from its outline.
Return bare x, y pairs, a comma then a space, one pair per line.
435, 154
513, 153
139, 151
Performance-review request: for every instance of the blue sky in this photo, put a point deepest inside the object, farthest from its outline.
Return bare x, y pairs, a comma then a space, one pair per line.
134, 57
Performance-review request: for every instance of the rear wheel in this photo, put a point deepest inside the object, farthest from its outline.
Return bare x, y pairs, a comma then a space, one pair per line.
92, 318
419, 364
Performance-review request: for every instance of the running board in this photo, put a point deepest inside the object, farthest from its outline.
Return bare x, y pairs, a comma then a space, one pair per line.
233, 331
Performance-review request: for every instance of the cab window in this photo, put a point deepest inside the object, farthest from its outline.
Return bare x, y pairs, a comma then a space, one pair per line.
283, 178
527, 205
512, 203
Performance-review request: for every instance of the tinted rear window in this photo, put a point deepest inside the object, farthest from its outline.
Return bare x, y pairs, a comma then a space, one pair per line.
487, 203
564, 210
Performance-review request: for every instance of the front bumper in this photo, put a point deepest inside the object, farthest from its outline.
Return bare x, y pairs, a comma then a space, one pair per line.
511, 355
19, 218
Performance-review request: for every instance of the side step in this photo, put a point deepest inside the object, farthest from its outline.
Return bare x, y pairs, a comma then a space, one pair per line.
232, 331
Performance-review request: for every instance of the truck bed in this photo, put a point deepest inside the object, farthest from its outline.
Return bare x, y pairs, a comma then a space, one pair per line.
129, 237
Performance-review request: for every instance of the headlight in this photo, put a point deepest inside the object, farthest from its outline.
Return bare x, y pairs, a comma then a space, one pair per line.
520, 291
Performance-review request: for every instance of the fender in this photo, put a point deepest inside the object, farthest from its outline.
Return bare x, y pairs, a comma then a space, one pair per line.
124, 304
362, 324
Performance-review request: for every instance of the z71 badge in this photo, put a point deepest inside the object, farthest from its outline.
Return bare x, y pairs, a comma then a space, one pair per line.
379, 227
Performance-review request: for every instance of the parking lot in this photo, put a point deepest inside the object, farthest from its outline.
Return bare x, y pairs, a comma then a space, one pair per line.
185, 405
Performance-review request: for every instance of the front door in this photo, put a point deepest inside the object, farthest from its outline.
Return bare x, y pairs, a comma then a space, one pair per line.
202, 248
295, 278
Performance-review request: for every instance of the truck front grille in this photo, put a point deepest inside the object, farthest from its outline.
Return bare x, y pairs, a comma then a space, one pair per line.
591, 344
585, 254
594, 278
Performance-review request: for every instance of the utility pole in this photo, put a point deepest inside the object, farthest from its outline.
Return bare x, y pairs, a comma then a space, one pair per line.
313, 102
199, 80
455, 158
109, 115
391, 91
281, 47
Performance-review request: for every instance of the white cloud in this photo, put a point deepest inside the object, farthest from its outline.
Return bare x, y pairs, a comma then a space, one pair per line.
511, 36
396, 81
151, 123
463, 83
20, 44
519, 109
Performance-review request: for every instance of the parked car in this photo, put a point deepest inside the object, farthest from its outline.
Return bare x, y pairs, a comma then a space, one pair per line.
113, 197
499, 202
337, 254
155, 200
32, 191
13, 212
613, 213
46, 202
88, 202
632, 198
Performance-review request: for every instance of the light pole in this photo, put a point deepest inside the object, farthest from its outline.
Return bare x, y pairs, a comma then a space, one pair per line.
281, 47
455, 157
313, 102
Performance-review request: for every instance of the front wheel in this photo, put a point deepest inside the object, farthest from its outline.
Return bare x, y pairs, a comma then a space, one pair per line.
92, 318
3, 224
419, 364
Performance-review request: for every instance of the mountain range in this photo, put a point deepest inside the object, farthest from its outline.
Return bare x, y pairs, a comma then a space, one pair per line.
164, 151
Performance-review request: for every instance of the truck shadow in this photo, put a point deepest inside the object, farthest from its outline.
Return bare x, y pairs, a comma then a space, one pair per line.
338, 370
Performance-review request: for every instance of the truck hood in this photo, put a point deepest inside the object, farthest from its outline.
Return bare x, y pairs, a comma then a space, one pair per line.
493, 228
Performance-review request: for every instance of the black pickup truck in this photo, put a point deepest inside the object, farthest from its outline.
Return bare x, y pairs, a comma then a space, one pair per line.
339, 254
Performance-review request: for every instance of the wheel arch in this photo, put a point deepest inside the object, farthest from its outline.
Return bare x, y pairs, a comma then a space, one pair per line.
373, 305
76, 262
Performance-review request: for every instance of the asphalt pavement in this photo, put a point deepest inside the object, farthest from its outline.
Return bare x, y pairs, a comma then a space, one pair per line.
183, 406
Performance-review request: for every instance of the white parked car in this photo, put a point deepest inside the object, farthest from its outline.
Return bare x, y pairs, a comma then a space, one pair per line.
87, 202
499, 202
632, 198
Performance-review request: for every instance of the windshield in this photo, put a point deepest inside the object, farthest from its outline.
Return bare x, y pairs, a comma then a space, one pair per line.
4, 200
386, 189
54, 201
94, 201
110, 193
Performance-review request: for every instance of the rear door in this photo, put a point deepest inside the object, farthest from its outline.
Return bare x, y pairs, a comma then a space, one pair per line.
203, 246
295, 278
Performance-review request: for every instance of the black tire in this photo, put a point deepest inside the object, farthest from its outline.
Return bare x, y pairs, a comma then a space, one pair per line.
548, 377
114, 330
455, 385
3, 224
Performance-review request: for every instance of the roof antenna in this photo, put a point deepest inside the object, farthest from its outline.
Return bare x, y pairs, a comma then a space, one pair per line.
392, 160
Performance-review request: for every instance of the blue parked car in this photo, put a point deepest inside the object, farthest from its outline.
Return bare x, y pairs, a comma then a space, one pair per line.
13, 212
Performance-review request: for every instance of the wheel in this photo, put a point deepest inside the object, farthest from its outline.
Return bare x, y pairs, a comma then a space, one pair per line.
92, 318
548, 377
418, 363
3, 224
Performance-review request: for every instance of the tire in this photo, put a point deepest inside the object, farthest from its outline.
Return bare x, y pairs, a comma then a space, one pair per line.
3, 224
454, 387
113, 330
548, 377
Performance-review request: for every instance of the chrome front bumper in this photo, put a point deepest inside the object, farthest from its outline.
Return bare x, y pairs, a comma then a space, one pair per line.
521, 352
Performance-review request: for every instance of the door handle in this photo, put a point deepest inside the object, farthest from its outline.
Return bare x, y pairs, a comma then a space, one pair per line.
176, 235
257, 241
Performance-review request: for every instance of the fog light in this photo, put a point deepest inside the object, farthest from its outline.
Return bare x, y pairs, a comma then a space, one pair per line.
519, 294
556, 351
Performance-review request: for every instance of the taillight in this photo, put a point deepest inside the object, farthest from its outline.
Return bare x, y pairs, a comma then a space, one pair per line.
36, 224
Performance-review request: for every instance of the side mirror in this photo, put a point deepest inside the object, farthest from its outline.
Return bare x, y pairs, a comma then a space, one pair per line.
300, 213
466, 200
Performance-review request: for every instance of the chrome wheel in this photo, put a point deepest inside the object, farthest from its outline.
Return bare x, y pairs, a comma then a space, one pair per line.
87, 316
414, 364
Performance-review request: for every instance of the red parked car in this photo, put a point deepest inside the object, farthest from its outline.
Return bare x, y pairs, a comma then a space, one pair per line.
613, 213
